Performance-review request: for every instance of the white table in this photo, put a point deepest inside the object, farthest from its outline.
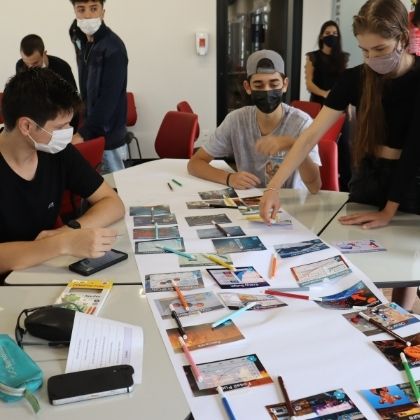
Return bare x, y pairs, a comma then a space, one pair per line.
159, 396
399, 266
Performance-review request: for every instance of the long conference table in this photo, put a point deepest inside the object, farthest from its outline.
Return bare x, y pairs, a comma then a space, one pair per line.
127, 302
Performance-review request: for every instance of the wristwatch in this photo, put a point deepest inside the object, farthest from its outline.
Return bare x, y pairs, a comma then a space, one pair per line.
74, 224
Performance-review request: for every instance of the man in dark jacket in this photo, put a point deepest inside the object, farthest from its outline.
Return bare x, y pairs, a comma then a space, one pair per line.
102, 62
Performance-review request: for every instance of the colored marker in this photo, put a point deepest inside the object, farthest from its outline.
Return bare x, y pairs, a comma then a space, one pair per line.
229, 201
292, 295
225, 403
219, 261
410, 377
170, 186
289, 405
220, 229
175, 251
156, 231
177, 182
180, 327
385, 329
196, 372
233, 314
273, 265
221, 206
181, 296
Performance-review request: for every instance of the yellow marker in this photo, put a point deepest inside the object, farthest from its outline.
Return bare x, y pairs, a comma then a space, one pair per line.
219, 261
229, 201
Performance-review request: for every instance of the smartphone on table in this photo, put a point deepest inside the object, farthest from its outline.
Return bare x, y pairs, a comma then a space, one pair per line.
89, 266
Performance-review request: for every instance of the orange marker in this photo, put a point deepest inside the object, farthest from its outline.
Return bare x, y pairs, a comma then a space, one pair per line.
273, 265
181, 296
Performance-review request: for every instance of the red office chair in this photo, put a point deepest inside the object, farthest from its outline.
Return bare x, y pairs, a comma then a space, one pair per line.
176, 135
92, 151
334, 132
328, 152
311, 108
184, 106
131, 121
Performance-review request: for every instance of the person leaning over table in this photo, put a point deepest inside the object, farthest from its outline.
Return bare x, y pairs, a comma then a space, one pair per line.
247, 133
37, 163
385, 90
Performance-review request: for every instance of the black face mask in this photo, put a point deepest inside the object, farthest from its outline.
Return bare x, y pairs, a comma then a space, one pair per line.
330, 41
267, 101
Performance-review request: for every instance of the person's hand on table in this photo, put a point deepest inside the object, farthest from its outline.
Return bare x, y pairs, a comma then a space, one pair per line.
269, 205
368, 220
243, 180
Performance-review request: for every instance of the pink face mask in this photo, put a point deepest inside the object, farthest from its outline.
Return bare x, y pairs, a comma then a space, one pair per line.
386, 63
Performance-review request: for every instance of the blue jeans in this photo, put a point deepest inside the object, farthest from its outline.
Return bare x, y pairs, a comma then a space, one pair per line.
113, 159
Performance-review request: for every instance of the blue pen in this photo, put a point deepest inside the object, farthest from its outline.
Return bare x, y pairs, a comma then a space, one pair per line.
233, 314
226, 405
175, 251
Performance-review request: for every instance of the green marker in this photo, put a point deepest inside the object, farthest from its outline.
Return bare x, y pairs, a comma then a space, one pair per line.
410, 377
176, 182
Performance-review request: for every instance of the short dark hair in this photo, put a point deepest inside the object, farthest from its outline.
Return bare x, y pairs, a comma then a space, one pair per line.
39, 94
31, 43
86, 1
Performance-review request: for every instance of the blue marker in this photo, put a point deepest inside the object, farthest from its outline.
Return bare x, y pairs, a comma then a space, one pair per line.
175, 251
226, 405
233, 315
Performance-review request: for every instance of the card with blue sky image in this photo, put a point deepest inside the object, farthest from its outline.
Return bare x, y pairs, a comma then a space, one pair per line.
162, 282
232, 245
240, 278
300, 248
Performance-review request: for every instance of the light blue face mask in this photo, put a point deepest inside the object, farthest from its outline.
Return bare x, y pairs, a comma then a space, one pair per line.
59, 140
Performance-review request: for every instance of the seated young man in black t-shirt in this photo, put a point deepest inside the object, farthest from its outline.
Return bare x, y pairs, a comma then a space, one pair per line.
37, 163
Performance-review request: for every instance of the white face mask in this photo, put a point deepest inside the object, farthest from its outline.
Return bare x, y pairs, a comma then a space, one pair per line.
89, 26
59, 140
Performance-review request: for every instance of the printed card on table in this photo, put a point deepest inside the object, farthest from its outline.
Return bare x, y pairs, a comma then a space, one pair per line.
215, 233
390, 315
391, 349
162, 282
209, 195
202, 261
152, 247
394, 401
331, 405
319, 271
358, 246
230, 374
158, 232
198, 303
205, 204
358, 295
239, 300
241, 278
300, 248
203, 335
164, 219
232, 245
207, 220
152, 211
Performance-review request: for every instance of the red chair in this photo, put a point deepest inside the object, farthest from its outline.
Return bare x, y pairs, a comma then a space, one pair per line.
328, 152
184, 106
311, 108
334, 132
131, 121
92, 151
176, 135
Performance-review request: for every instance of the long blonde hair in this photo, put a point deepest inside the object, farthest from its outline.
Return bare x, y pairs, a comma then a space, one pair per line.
388, 19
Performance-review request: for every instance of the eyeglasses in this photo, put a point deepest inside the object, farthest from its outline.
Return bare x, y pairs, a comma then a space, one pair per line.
20, 331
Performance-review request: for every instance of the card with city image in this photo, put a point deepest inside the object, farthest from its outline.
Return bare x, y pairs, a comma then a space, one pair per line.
157, 232
152, 211
162, 282
154, 246
207, 219
240, 278
213, 194
239, 300
300, 248
232, 245
215, 233
164, 219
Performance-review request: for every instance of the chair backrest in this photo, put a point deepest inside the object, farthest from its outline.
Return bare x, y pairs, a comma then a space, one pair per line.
184, 106
131, 110
176, 135
334, 132
1, 116
328, 152
92, 151
311, 108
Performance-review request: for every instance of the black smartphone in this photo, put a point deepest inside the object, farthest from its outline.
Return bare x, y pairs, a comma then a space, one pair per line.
88, 266
89, 384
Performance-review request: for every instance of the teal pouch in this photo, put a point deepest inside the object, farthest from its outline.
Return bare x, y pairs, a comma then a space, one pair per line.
19, 374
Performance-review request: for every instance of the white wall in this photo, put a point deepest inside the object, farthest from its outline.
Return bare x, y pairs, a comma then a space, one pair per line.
164, 67
315, 13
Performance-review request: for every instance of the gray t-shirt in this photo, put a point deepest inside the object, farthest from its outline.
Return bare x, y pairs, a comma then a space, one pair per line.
237, 134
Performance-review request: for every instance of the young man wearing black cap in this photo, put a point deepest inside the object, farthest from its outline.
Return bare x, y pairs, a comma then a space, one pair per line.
249, 134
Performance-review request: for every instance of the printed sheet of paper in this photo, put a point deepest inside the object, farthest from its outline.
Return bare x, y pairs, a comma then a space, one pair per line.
162, 282
358, 246
231, 245
151, 211
210, 195
99, 342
